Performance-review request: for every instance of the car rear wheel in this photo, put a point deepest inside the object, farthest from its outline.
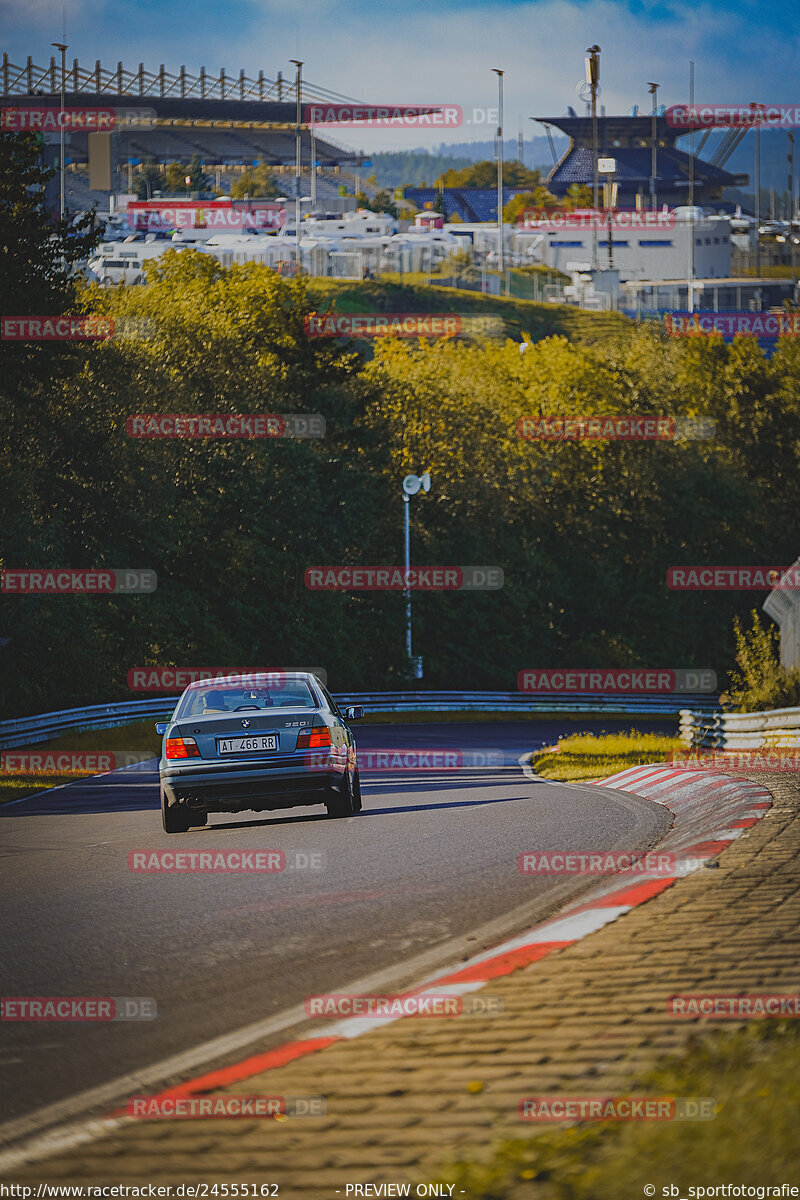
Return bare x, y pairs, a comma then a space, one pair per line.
341, 803
356, 792
176, 818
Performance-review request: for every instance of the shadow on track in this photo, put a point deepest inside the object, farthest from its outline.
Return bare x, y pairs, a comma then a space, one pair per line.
129, 791
121, 791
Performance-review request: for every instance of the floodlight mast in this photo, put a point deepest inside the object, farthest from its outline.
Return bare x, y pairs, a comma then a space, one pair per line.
62, 46
298, 169
653, 88
411, 485
592, 64
501, 258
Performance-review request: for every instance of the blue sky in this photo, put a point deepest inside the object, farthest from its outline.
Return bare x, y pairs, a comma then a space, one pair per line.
435, 51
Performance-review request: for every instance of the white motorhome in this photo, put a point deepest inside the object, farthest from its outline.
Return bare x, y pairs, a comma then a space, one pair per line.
359, 224
124, 262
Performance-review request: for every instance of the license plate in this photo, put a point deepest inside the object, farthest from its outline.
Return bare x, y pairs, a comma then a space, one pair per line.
246, 745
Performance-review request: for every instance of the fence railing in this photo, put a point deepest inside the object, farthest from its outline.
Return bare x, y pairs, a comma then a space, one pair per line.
778, 728
24, 731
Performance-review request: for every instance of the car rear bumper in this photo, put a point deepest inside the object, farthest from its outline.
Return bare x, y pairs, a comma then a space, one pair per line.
212, 787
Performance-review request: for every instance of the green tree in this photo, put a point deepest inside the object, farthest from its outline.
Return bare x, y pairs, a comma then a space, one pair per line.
544, 198
256, 183
758, 681
381, 202
148, 178
579, 195
36, 252
484, 175
38, 257
177, 173
523, 202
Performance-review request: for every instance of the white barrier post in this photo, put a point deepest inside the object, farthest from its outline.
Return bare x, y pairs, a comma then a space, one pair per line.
783, 605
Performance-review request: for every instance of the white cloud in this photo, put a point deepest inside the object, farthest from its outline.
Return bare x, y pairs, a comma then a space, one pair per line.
424, 53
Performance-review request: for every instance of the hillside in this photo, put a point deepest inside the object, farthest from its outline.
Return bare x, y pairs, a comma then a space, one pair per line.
393, 294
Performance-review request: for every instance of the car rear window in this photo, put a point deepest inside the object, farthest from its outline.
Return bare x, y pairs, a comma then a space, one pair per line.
217, 698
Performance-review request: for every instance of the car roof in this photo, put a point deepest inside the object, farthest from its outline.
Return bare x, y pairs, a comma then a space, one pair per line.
253, 679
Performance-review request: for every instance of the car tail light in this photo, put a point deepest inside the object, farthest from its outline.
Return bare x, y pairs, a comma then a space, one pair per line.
179, 747
314, 739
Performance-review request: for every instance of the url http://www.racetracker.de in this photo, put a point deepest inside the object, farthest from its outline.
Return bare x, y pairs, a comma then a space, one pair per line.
138, 1191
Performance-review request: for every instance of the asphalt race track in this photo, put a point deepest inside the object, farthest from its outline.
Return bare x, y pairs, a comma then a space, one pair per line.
425, 876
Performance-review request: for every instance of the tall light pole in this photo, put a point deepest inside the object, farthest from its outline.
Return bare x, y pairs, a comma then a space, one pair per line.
690, 272
63, 48
592, 63
298, 166
757, 108
654, 138
411, 485
313, 167
501, 259
790, 182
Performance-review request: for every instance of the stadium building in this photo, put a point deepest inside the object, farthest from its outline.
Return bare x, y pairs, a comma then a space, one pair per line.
227, 121
628, 141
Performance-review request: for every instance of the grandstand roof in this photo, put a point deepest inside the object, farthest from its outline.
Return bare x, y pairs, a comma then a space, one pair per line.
628, 140
634, 165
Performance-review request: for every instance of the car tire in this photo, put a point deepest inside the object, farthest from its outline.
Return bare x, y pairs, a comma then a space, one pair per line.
356, 792
175, 818
340, 804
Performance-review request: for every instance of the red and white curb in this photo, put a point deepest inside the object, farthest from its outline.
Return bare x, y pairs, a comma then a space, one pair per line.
709, 812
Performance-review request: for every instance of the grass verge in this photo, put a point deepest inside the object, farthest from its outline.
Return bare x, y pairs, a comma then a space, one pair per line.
460, 716
128, 743
753, 1074
594, 756
397, 293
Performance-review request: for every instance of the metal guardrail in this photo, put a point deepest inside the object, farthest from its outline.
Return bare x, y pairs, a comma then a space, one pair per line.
617, 704
778, 728
23, 731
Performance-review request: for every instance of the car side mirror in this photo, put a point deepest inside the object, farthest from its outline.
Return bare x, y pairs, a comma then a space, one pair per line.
161, 728
354, 712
